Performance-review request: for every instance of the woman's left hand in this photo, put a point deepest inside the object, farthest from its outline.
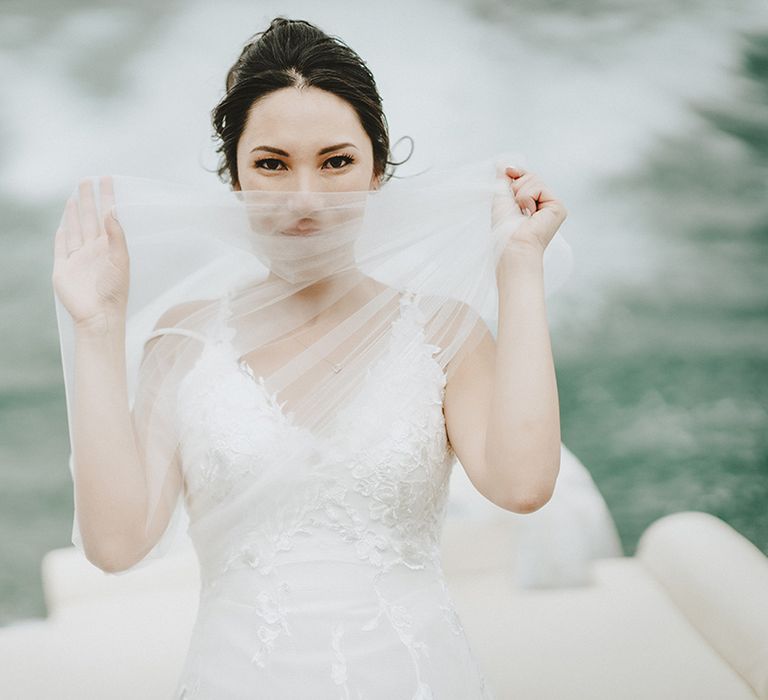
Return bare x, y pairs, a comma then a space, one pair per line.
543, 213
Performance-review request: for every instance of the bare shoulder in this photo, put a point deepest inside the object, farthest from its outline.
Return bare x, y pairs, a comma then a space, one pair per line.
174, 315
455, 326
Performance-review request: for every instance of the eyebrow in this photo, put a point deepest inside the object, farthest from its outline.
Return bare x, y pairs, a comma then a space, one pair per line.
321, 152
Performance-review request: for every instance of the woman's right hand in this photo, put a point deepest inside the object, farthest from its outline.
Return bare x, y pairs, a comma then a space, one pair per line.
91, 265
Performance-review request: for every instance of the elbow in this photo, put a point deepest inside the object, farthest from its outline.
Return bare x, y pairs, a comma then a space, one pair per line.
107, 566
529, 504
525, 482
525, 506
112, 565
110, 560
525, 499
106, 563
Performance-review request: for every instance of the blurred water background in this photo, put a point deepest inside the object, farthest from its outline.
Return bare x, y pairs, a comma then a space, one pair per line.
649, 120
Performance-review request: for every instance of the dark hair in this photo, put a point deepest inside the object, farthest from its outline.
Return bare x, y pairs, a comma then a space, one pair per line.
295, 53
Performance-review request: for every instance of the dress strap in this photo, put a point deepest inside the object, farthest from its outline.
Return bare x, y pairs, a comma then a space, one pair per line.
217, 328
179, 331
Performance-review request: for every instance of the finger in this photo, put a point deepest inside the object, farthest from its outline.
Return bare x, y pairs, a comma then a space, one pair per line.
519, 203
527, 200
60, 243
534, 194
60, 236
89, 219
528, 190
520, 181
114, 232
509, 171
112, 227
514, 172
72, 226
106, 195
527, 193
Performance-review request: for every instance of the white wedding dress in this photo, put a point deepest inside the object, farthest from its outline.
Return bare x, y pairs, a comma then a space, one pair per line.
320, 563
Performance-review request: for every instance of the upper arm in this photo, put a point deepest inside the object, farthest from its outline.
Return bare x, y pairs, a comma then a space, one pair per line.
466, 404
173, 480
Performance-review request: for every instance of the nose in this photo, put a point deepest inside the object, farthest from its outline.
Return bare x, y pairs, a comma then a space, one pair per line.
305, 200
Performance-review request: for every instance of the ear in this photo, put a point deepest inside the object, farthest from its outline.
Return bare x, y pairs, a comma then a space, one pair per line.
375, 183
236, 187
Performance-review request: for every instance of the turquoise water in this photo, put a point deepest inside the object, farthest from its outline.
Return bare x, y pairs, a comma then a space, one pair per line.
651, 122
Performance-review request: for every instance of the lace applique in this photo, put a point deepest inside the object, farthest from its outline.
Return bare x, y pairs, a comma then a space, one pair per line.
272, 611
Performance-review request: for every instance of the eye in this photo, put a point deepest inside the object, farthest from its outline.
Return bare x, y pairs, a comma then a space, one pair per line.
258, 163
345, 157
338, 162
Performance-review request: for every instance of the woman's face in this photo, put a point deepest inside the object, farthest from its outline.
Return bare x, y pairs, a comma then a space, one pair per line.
304, 140
308, 142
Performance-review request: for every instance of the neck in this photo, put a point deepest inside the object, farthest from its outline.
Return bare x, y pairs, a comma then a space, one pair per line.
322, 293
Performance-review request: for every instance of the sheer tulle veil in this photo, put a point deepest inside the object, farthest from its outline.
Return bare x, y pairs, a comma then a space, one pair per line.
302, 291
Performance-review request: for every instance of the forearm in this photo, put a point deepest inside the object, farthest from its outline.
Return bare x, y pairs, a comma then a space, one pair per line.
522, 444
110, 488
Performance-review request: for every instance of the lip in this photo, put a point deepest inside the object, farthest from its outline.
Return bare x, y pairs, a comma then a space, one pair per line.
304, 231
305, 227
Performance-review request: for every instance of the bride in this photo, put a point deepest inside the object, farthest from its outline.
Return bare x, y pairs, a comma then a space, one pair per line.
307, 417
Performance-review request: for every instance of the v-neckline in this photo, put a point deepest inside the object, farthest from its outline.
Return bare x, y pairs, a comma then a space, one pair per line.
406, 299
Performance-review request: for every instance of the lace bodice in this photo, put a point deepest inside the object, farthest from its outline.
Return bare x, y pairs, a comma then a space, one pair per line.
319, 556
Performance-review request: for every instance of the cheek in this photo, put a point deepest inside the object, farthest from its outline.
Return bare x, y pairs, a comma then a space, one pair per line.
242, 168
250, 180
244, 165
